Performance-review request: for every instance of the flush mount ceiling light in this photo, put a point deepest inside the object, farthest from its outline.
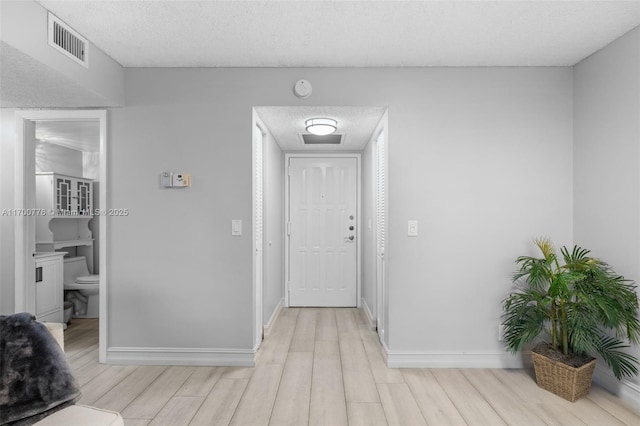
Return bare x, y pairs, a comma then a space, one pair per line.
321, 126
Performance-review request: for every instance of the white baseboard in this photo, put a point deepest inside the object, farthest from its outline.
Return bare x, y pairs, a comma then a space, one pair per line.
385, 351
627, 391
181, 356
447, 359
274, 316
370, 319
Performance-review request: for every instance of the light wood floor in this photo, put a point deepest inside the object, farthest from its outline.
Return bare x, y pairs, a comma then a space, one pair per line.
324, 367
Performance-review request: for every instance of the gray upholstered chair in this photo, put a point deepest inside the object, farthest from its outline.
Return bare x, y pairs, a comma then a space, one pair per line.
37, 385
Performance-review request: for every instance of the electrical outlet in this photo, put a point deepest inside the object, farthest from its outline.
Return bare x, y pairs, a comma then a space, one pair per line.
500, 333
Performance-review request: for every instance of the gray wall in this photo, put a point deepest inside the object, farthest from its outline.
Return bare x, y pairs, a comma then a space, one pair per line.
481, 157
607, 155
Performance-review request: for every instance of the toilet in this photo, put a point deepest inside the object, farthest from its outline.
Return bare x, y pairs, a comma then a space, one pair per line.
77, 277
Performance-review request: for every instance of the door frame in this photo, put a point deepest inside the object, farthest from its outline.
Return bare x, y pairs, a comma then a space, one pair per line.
287, 218
258, 246
25, 199
380, 272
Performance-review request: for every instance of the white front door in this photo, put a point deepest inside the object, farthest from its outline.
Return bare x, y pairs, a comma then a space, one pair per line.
323, 220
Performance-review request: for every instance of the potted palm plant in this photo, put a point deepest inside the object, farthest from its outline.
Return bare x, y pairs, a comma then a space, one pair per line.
584, 307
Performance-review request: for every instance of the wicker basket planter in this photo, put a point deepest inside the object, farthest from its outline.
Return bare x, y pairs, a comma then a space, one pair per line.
568, 382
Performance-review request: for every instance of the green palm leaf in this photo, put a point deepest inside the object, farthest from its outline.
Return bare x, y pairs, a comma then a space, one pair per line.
621, 363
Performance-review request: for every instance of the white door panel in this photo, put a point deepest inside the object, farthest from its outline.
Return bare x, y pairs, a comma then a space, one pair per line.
323, 246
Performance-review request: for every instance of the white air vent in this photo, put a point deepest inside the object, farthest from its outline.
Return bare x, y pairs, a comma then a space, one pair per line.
66, 40
332, 139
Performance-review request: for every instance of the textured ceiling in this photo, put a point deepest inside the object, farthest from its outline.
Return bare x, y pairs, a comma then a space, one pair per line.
286, 124
152, 33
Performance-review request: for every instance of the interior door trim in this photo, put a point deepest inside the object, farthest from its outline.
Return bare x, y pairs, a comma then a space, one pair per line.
25, 198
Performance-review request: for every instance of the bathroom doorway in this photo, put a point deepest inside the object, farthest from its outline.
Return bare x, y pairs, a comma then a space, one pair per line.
67, 147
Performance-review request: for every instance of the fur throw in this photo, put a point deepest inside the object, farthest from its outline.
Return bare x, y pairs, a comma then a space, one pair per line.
35, 377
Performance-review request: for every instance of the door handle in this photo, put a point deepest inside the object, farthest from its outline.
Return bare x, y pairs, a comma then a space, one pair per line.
349, 238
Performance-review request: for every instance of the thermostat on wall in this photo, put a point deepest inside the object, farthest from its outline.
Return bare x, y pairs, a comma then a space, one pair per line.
175, 180
181, 180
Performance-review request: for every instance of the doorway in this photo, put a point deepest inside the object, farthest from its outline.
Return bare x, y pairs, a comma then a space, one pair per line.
283, 130
323, 227
26, 231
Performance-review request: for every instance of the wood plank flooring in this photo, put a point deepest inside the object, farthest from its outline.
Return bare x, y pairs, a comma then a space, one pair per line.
324, 366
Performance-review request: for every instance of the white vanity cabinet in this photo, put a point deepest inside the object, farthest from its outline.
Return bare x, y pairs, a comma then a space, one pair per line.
49, 287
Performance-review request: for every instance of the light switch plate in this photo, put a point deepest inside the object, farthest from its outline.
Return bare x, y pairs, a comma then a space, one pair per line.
412, 228
165, 179
236, 227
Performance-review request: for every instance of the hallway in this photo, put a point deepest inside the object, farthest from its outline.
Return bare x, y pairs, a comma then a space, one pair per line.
324, 366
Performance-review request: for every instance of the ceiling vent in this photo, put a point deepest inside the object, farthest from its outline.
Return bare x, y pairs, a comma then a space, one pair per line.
66, 40
332, 139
